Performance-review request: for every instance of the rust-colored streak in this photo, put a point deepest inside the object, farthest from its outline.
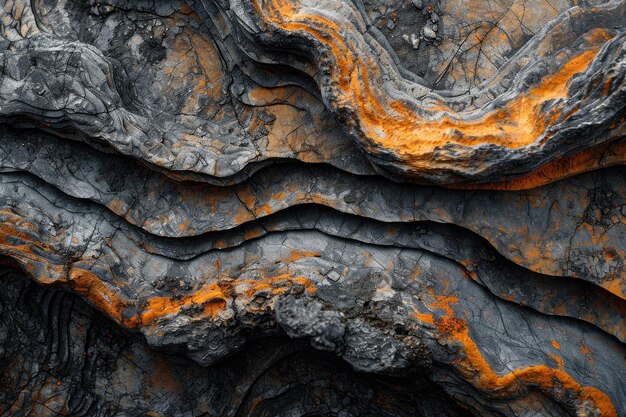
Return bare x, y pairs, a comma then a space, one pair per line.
211, 297
519, 123
90, 286
215, 297
475, 369
80, 276
415, 131
597, 157
548, 379
298, 254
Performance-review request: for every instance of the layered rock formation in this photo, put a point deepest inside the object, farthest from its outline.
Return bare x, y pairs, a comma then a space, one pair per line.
313, 207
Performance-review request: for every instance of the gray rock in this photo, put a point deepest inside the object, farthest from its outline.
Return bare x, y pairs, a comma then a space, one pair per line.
212, 208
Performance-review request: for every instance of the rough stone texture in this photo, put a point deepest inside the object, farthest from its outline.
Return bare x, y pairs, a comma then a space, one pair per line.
313, 208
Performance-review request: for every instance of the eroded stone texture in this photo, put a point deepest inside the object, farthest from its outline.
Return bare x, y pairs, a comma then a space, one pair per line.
67, 359
313, 207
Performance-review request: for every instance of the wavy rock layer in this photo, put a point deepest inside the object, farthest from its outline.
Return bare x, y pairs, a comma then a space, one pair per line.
298, 207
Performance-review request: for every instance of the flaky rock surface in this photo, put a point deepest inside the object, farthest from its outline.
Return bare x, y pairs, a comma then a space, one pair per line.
313, 208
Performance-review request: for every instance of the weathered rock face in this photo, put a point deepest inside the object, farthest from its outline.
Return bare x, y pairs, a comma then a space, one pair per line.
313, 207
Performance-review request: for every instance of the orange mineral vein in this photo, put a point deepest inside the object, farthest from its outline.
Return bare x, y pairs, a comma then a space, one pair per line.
476, 370
413, 131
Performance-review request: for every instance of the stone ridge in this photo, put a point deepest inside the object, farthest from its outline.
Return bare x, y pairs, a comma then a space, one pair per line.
312, 207
535, 108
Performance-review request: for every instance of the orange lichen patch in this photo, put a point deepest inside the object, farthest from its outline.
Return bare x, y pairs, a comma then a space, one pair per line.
214, 306
19, 241
547, 379
211, 296
424, 317
246, 196
242, 216
91, 287
184, 225
518, 123
437, 302
214, 297
279, 196
210, 83
554, 381
266, 209
288, 17
556, 344
587, 352
616, 286
253, 233
557, 359
118, 207
10, 231
476, 370
442, 301
404, 127
79, 276
298, 254
276, 285
600, 156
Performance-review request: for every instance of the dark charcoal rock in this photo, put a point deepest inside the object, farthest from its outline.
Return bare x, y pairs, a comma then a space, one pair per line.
312, 208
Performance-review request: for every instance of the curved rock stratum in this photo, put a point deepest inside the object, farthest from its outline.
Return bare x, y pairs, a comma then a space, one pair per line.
313, 208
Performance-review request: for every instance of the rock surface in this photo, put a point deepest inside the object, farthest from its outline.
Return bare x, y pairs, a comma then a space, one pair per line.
313, 208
